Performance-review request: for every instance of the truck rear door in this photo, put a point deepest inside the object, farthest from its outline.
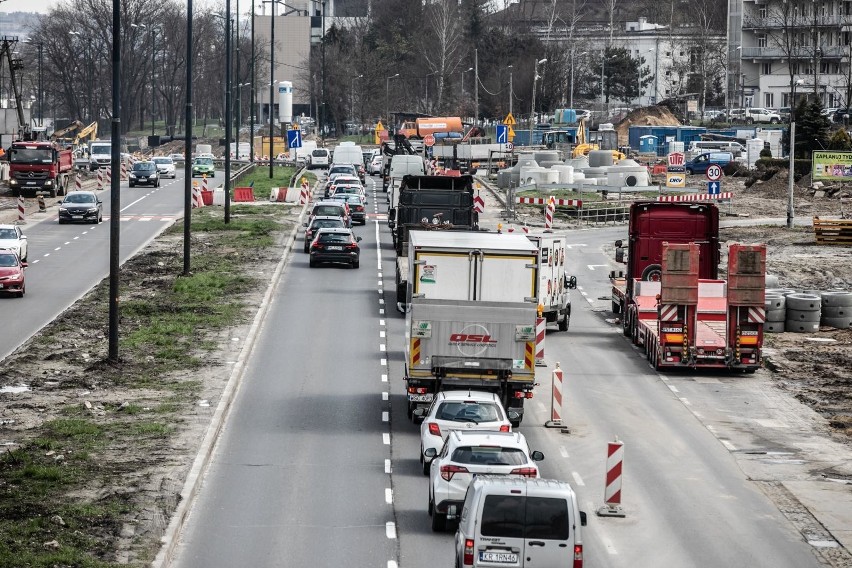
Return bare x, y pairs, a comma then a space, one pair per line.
505, 278
443, 276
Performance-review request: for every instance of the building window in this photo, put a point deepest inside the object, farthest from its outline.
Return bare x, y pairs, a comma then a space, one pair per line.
761, 41
766, 69
761, 12
768, 99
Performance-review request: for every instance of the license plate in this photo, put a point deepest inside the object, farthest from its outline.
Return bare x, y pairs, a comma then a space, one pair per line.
31, 183
335, 248
500, 557
76, 216
420, 397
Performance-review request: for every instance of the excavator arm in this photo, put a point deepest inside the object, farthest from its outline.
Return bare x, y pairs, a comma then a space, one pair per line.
63, 131
90, 132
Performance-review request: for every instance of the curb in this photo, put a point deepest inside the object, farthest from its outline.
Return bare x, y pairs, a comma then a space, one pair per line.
195, 477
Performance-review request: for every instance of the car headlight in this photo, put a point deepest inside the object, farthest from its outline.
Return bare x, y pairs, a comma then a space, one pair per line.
93, 209
133, 176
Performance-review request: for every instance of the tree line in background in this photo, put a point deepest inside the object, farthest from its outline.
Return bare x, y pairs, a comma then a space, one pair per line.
440, 49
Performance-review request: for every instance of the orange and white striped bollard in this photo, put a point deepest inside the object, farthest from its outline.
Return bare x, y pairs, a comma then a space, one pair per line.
22, 210
78, 182
612, 490
100, 179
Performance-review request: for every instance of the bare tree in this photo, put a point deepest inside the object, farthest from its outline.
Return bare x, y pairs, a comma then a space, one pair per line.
443, 47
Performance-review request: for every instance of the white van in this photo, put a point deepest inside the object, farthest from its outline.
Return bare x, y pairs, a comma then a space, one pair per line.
318, 158
702, 146
348, 153
520, 522
402, 165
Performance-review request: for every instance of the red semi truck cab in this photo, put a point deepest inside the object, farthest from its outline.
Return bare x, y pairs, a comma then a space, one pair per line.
672, 303
39, 167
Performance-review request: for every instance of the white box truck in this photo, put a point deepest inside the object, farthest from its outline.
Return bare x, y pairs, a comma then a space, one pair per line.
554, 286
471, 316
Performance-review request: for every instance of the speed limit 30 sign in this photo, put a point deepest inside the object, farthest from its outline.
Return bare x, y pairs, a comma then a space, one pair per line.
714, 172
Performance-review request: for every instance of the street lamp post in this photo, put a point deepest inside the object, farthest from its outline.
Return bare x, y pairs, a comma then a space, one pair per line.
792, 164
532, 106
40, 47
511, 92
387, 99
154, 31
352, 96
462, 87
252, 93
228, 48
571, 93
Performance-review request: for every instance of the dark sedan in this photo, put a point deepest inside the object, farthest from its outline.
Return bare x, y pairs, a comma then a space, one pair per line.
321, 222
335, 245
144, 173
356, 206
81, 206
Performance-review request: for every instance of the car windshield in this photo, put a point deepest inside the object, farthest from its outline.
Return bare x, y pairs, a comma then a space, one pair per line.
162, 160
353, 198
468, 411
143, 166
7, 260
327, 223
341, 170
79, 198
318, 153
334, 238
331, 210
32, 155
489, 455
203, 161
6, 234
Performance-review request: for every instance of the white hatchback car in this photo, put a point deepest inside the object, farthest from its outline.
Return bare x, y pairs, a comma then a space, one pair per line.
468, 454
165, 166
12, 238
375, 167
459, 410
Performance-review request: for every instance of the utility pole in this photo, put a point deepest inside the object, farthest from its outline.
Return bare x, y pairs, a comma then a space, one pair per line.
271, 84
187, 163
239, 87
476, 85
227, 111
115, 193
251, 92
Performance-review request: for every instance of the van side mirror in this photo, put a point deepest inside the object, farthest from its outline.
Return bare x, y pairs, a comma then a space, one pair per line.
570, 283
619, 244
583, 520
537, 456
513, 415
430, 452
358, 239
619, 255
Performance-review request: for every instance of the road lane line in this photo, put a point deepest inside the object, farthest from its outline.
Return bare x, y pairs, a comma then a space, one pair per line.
382, 323
386, 439
58, 248
385, 395
730, 446
577, 479
384, 378
673, 388
390, 529
388, 495
380, 274
381, 311
563, 452
382, 334
388, 466
685, 401
67, 242
382, 347
385, 416
392, 564
383, 362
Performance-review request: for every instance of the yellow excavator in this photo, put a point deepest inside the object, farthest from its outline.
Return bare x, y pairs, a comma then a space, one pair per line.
59, 135
583, 147
90, 132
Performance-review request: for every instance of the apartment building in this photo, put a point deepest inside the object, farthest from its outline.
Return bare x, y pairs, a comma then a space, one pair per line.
811, 38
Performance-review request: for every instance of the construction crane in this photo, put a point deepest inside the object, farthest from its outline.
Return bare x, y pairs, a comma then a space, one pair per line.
7, 44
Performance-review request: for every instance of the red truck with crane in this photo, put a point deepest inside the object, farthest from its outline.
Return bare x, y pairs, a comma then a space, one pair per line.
671, 301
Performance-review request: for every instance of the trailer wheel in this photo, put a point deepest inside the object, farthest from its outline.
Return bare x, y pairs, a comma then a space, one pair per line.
563, 323
652, 273
616, 307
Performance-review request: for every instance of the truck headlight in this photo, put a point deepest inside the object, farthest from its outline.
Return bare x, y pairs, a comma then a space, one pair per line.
13, 181
48, 183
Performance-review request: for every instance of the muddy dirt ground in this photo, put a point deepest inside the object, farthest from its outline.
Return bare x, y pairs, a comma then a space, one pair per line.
69, 375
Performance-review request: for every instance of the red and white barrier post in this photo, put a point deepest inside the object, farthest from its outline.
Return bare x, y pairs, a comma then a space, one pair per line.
22, 210
612, 490
108, 176
204, 183
304, 193
124, 175
100, 179
548, 213
78, 181
196, 195
556, 400
540, 331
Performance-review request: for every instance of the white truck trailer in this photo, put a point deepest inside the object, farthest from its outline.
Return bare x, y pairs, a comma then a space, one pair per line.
554, 285
471, 316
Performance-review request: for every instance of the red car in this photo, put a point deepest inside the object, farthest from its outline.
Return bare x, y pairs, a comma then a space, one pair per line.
12, 273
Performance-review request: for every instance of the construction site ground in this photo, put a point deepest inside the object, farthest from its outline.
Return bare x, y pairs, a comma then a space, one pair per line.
67, 379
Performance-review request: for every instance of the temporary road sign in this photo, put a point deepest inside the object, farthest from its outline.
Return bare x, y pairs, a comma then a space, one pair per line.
294, 138
502, 133
714, 187
714, 172
379, 126
509, 120
429, 140
510, 146
511, 133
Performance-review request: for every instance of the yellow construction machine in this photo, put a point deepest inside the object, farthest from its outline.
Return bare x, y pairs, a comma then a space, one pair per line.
583, 146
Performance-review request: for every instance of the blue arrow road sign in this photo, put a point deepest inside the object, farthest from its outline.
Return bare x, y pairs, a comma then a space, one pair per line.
294, 138
502, 134
714, 188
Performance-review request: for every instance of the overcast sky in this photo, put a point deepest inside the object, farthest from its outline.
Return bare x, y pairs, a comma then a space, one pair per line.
26, 5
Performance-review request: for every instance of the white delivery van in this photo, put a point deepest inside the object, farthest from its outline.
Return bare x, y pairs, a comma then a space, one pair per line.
521, 522
318, 158
402, 165
348, 153
701, 146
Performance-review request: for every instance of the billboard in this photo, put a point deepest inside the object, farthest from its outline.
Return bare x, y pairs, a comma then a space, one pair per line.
831, 166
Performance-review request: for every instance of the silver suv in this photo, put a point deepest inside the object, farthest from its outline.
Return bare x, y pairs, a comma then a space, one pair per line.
757, 114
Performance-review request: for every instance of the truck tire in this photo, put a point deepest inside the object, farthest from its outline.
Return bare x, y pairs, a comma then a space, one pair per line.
439, 521
652, 273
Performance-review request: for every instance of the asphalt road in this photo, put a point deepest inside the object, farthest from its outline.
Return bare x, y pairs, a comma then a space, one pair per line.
66, 261
318, 464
